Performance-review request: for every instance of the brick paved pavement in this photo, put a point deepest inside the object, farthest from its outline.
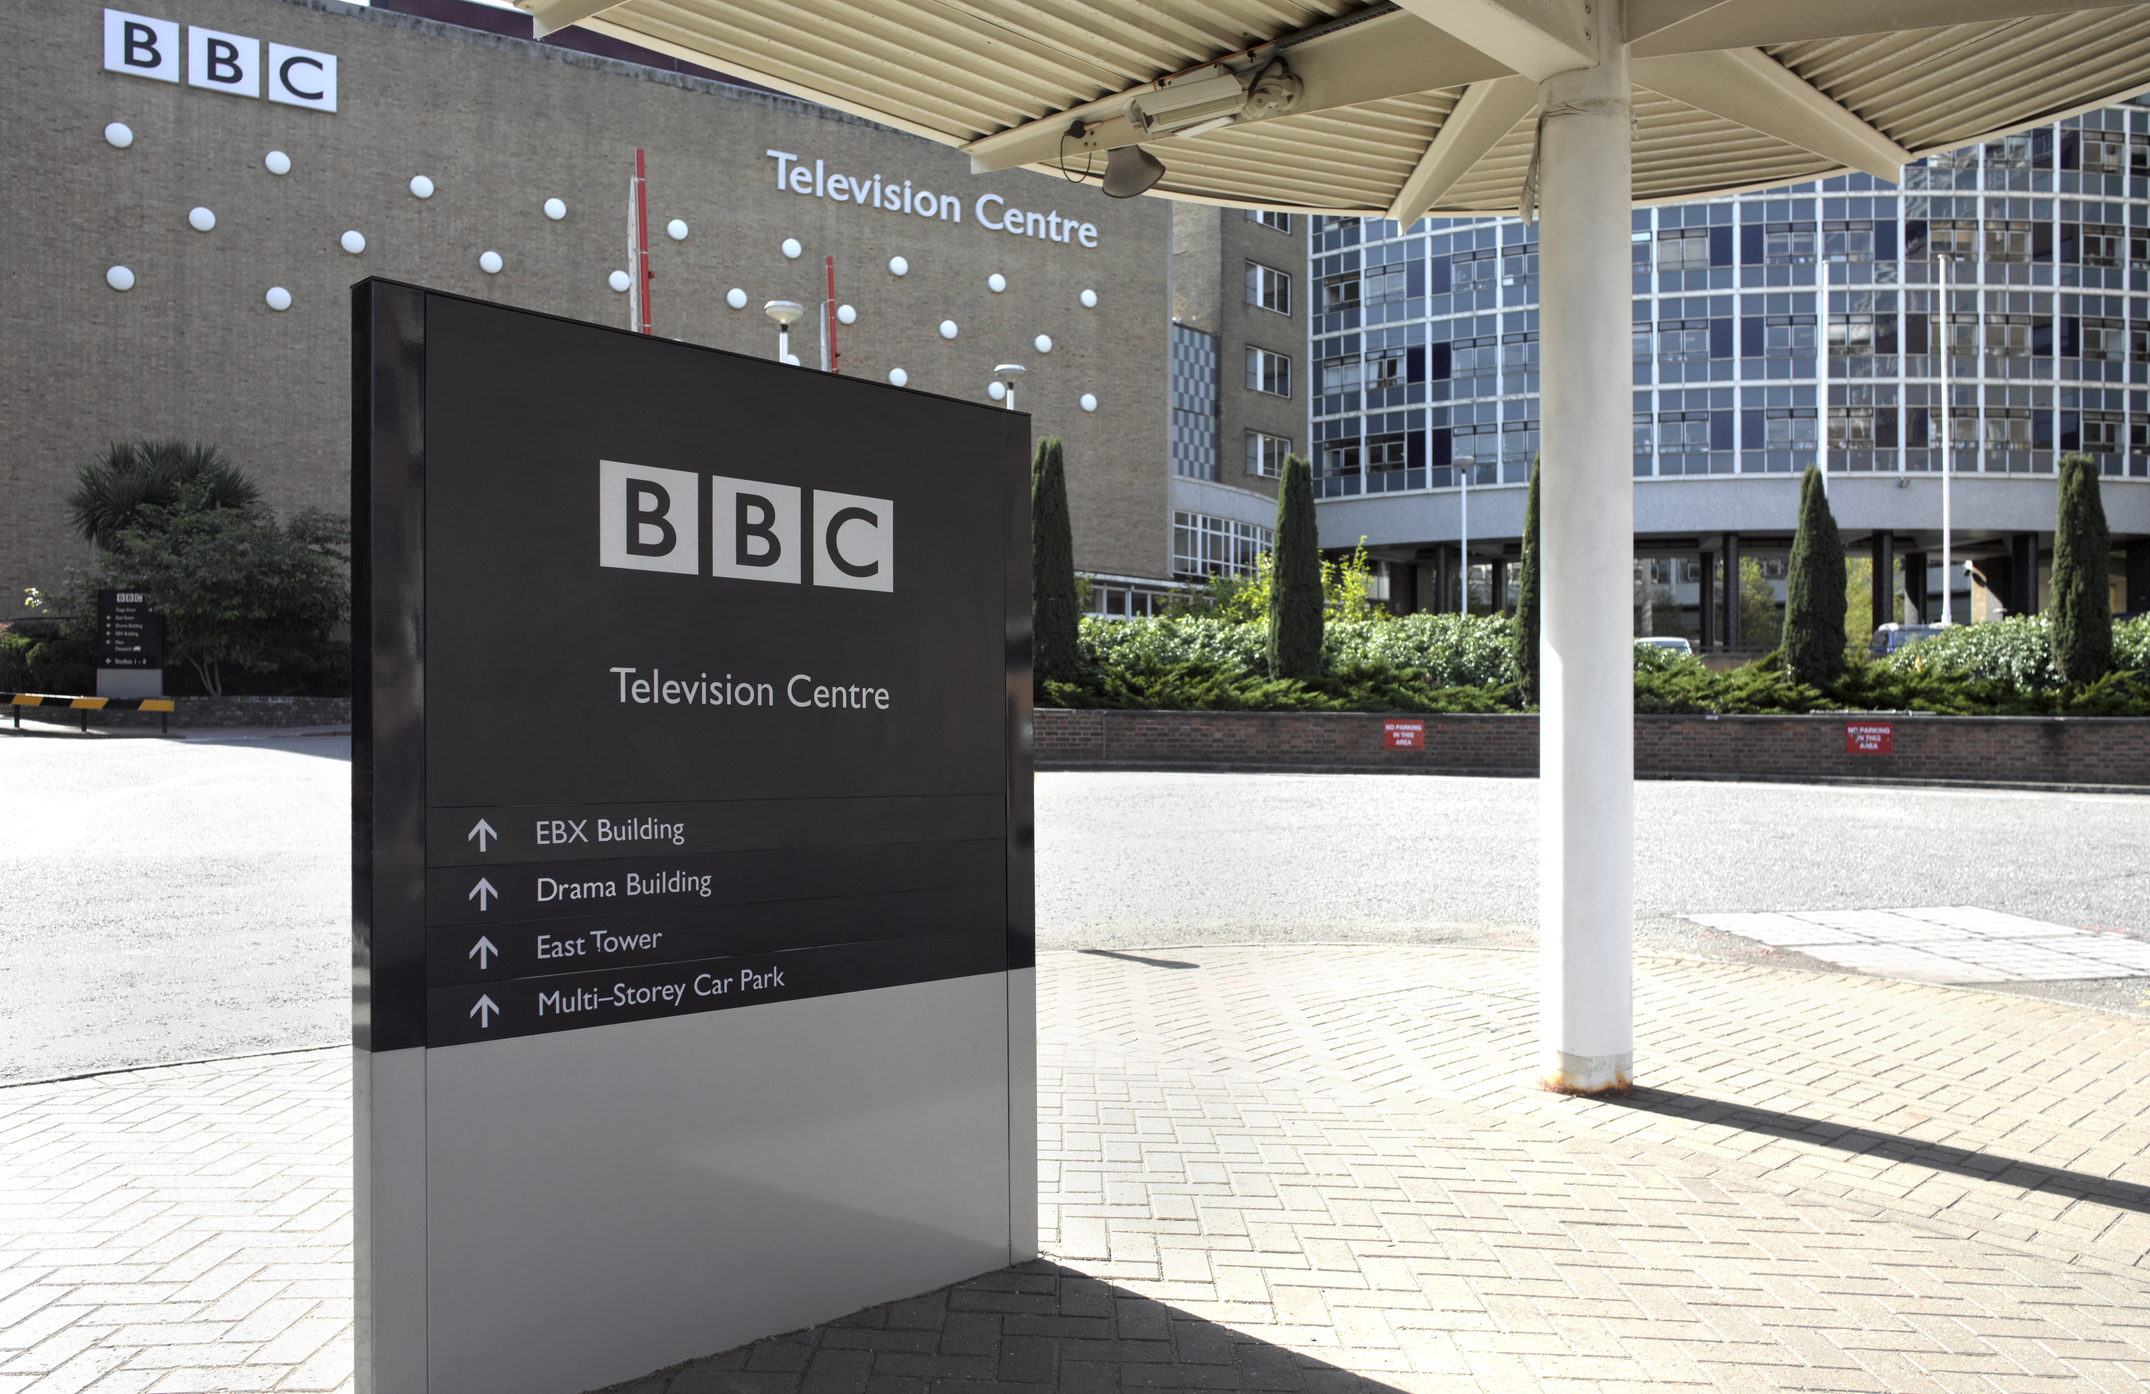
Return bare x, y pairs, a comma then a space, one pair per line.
178, 1229
1288, 1168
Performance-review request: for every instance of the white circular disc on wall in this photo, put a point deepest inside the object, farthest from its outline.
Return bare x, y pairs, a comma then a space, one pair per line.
619, 281
276, 162
118, 136
278, 298
421, 187
353, 241
676, 229
490, 263
120, 278
898, 377
1089, 300
555, 209
845, 314
1043, 343
996, 283
736, 298
948, 329
791, 249
200, 219
996, 390
1089, 401
897, 266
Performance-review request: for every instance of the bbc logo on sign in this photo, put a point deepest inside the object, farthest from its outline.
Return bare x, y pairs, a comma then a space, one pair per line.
650, 520
144, 47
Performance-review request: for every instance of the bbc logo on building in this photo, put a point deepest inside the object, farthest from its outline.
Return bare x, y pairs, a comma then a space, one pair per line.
651, 520
140, 46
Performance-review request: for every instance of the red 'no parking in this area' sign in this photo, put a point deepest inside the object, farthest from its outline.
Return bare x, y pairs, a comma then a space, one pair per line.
1403, 735
1868, 737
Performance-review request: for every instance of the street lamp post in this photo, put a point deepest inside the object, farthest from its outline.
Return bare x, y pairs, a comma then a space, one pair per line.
1008, 375
1948, 591
784, 312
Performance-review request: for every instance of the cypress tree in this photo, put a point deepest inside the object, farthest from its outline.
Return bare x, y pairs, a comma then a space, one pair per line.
1055, 611
1525, 633
1295, 599
1814, 590
2082, 591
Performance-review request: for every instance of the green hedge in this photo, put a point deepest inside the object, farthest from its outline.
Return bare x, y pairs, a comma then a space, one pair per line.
1456, 663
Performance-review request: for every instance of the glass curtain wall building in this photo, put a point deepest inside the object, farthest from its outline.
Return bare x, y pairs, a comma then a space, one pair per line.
1996, 299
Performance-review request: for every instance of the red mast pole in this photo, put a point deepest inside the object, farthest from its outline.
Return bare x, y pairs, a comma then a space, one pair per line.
828, 316
638, 248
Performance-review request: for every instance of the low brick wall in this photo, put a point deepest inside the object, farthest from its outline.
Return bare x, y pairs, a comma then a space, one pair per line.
2020, 750
215, 713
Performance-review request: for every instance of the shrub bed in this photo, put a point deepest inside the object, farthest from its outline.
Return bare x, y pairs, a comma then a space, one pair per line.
1455, 663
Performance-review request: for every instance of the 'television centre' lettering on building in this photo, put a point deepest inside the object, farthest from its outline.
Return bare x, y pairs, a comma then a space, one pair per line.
439, 148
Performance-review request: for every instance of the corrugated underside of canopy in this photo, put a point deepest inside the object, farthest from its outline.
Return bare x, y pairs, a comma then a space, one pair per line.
958, 71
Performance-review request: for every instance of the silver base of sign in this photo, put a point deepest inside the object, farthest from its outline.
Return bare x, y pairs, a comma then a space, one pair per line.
130, 682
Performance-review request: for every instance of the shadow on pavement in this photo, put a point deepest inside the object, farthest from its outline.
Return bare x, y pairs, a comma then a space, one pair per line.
1892, 1147
1038, 1325
1138, 958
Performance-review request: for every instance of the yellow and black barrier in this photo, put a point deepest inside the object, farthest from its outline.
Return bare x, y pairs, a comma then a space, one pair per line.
86, 705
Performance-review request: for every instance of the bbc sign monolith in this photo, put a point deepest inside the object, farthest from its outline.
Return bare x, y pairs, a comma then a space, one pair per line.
691, 794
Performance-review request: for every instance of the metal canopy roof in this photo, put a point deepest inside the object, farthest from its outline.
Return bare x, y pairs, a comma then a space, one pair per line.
1424, 105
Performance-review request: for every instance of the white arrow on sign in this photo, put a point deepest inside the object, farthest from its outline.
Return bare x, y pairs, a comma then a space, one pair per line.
483, 947
490, 1008
481, 832
480, 891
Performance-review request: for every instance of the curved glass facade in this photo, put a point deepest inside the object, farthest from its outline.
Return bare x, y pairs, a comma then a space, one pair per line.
1998, 301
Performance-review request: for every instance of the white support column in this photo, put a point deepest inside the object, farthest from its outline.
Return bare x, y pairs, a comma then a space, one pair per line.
1586, 540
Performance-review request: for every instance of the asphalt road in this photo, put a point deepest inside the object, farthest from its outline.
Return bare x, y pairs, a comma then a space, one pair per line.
165, 900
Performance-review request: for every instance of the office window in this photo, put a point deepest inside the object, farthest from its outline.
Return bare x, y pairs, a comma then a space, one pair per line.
1682, 249
1848, 241
1479, 270
1851, 336
2008, 242
1268, 288
2008, 428
1790, 428
1387, 285
1474, 357
1789, 336
2009, 336
2101, 433
2102, 244
1340, 293
1384, 369
2105, 339
1270, 218
1944, 237
1643, 343
1203, 546
1385, 452
1683, 340
1788, 244
1268, 372
1339, 375
2104, 152
1340, 457
1265, 454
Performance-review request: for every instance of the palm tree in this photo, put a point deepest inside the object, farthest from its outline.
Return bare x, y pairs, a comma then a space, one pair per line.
113, 491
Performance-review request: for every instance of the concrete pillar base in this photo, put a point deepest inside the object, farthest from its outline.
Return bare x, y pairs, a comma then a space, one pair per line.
1588, 1074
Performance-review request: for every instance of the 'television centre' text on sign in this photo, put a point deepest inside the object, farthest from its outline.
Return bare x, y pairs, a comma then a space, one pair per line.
704, 724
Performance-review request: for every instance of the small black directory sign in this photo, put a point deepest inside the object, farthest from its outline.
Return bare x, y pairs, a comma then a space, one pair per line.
129, 633
685, 683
